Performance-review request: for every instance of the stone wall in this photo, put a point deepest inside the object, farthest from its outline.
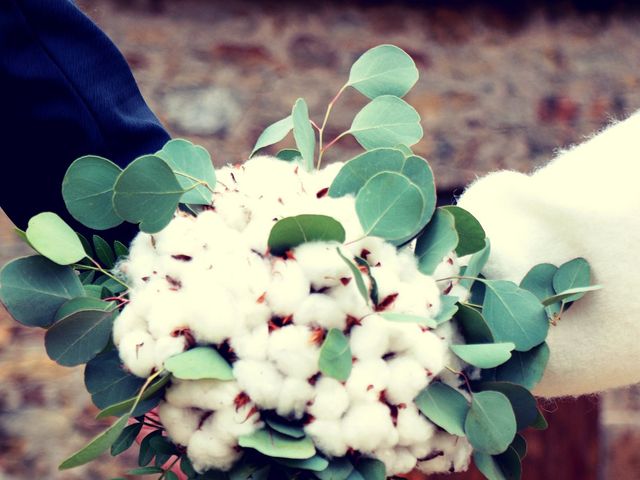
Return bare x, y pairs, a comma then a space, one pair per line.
499, 88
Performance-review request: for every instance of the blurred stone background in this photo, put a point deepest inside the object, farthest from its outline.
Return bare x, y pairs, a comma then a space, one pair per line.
502, 86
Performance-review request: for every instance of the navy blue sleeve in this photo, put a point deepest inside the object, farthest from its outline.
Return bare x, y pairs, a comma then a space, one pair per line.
65, 91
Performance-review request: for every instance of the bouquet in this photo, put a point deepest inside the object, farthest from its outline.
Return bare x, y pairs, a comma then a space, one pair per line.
286, 319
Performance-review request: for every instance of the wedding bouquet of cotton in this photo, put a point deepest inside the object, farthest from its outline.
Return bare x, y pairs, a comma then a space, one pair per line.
284, 319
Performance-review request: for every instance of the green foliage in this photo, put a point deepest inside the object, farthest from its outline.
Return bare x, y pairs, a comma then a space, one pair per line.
569, 295
315, 464
383, 70
199, 363
519, 444
471, 235
389, 206
87, 190
514, 314
484, 355
525, 368
34, 288
539, 281
124, 406
126, 439
284, 427
386, 121
477, 261
490, 425
289, 155
193, 169
78, 337
448, 308
104, 252
335, 356
290, 232
274, 444
50, 236
575, 273
338, 469
357, 275
445, 406
273, 134
473, 326
120, 249
436, 241
371, 469
409, 318
303, 133
147, 192
505, 466
522, 402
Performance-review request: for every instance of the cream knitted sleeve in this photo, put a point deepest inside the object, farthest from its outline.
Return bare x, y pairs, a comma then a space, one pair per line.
585, 203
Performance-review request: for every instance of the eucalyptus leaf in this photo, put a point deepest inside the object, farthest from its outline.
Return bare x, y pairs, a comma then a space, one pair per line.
570, 294
389, 206
290, 232
50, 236
107, 382
539, 281
104, 252
284, 427
476, 263
124, 406
540, 423
126, 439
470, 233
383, 70
34, 288
371, 469
199, 363
488, 466
525, 368
147, 192
575, 273
357, 275
273, 134
519, 444
484, 355
445, 406
490, 425
120, 249
386, 121
87, 190
505, 466
192, 165
514, 314
289, 155
436, 241
79, 337
335, 356
314, 464
274, 444
522, 401
338, 469
448, 308
409, 318
473, 326
303, 133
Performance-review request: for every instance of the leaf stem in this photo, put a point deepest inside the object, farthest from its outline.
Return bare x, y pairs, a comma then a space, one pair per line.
463, 375
322, 149
98, 268
458, 277
196, 180
173, 464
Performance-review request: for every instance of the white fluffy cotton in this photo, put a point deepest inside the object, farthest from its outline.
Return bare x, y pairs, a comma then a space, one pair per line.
210, 281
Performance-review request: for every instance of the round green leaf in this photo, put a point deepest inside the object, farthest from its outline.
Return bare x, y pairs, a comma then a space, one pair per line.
147, 192
383, 70
34, 288
448, 308
107, 382
477, 261
274, 444
569, 295
473, 326
389, 206
386, 121
78, 337
519, 444
522, 401
484, 355
87, 190
437, 240
488, 466
125, 406
284, 427
357, 171
525, 368
514, 314
289, 155
575, 273
50, 236
371, 469
490, 425
335, 356
505, 466
185, 158
408, 318
539, 281
338, 469
82, 303
303, 133
314, 464
199, 363
445, 406
470, 233
273, 134
290, 232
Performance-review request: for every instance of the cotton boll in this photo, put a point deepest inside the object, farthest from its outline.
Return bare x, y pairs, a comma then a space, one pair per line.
254, 314
202, 394
413, 428
178, 237
180, 423
167, 347
370, 340
367, 426
407, 265
331, 399
459, 291
214, 324
231, 423
128, 321
288, 289
322, 311
292, 350
456, 454
387, 280
402, 336
350, 299
233, 210
214, 235
137, 352
321, 264
168, 314
328, 437
294, 397
448, 267
260, 380
380, 253
253, 344
368, 379
407, 378
396, 460
430, 351
207, 451
260, 169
